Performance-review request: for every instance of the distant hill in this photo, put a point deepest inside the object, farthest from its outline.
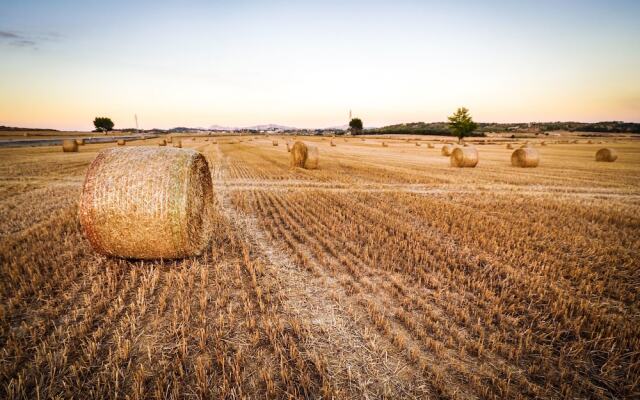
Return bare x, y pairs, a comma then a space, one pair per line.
15, 128
441, 128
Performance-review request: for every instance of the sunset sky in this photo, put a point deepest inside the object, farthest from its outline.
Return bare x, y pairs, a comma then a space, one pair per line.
306, 63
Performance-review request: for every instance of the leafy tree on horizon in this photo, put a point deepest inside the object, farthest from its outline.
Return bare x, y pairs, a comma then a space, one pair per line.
103, 124
461, 124
356, 126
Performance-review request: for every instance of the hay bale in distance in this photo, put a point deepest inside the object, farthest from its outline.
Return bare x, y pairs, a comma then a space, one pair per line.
417, 143
177, 144
384, 144
447, 149
299, 154
313, 158
509, 146
288, 148
147, 203
275, 143
169, 139
332, 143
162, 143
526, 157
464, 157
69, 146
80, 142
430, 145
121, 142
606, 154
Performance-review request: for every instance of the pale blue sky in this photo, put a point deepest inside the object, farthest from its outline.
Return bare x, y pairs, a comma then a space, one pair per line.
305, 63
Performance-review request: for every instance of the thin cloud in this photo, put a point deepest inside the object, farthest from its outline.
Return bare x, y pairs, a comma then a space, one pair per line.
20, 40
9, 35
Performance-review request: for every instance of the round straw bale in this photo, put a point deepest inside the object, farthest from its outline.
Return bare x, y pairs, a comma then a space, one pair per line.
147, 203
332, 143
589, 141
163, 143
509, 146
417, 143
169, 139
121, 142
288, 148
69, 146
543, 143
80, 142
606, 154
526, 157
447, 149
177, 144
299, 154
464, 157
384, 144
313, 158
275, 143
430, 145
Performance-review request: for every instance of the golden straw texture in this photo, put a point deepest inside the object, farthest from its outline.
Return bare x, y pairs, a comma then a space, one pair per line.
464, 157
299, 153
313, 158
147, 202
447, 149
526, 157
606, 154
69, 146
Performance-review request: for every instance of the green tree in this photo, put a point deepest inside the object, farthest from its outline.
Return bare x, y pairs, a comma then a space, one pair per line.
356, 126
461, 124
103, 124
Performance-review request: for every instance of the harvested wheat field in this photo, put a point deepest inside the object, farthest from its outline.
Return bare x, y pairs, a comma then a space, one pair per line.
384, 273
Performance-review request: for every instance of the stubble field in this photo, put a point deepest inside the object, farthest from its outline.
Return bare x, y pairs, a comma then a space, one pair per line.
384, 273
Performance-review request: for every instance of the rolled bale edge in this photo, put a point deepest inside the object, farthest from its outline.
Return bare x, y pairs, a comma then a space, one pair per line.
526, 157
606, 154
69, 146
464, 157
147, 203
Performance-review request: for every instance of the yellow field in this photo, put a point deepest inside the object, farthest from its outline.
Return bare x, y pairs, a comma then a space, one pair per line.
384, 273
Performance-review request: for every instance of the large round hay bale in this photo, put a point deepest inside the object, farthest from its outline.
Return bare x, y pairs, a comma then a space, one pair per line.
313, 158
80, 142
177, 144
69, 146
147, 203
527, 157
162, 143
464, 157
299, 154
447, 149
121, 142
606, 154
